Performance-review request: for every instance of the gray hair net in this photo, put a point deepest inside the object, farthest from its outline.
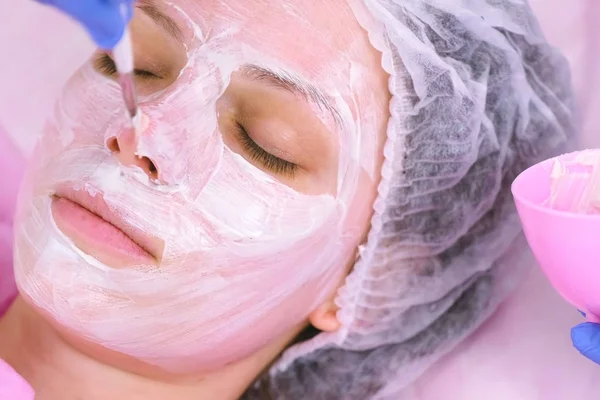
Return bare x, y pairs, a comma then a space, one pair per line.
478, 95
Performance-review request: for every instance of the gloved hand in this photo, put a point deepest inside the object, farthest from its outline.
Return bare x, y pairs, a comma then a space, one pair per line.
105, 20
586, 339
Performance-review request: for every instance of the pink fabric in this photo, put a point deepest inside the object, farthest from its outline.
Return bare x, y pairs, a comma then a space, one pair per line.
12, 385
12, 163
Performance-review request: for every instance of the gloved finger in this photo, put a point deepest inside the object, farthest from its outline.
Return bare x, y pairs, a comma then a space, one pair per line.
103, 20
111, 3
108, 27
118, 2
128, 10
105, 24
127, 6
586, 339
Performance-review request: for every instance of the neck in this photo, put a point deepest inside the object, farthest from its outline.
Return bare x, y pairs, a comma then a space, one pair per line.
57, 370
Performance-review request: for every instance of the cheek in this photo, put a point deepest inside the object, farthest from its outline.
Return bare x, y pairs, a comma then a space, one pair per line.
89, 104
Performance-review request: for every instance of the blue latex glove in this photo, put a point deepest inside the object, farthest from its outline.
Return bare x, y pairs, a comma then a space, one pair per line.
103, 19
586, 339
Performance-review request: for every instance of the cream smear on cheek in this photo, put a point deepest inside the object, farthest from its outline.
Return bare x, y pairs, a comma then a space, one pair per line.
245, 257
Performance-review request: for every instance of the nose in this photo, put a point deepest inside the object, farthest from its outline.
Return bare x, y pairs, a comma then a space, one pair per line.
125, 150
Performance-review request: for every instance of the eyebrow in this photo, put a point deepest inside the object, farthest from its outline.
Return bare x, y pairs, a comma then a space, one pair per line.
150, 8
279, 79
286, 81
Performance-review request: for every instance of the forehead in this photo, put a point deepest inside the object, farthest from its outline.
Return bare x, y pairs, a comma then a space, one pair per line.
315, 37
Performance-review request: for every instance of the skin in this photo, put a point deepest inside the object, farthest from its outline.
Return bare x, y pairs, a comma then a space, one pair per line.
60, 365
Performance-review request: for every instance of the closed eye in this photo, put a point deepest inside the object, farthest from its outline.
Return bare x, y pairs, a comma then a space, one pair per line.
260, 155
105, 65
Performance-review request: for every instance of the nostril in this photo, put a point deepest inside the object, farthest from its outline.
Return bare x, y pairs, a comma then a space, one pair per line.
127, 156
113, 145
149, 166
152, 168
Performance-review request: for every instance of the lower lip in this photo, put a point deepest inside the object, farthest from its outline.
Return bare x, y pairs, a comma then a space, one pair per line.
96, 237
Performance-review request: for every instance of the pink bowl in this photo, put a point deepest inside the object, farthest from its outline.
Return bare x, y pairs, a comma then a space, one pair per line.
565, 244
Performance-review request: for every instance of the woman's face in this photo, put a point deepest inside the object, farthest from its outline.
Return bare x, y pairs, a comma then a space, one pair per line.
237, 208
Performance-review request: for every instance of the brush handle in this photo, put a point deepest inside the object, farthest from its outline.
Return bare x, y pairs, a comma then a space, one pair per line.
105, 20
123, 54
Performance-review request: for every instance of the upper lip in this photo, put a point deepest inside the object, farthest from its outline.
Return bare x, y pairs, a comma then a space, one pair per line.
97, 205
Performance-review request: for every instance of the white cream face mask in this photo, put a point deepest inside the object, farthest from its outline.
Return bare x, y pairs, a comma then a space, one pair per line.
220, 257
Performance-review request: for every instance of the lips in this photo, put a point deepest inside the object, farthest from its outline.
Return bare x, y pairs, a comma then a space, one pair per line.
100, 232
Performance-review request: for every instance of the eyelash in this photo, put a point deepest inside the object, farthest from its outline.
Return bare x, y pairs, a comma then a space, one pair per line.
107, 66
269, 161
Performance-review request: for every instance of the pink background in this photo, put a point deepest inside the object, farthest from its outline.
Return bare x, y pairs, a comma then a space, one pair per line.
524, 352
